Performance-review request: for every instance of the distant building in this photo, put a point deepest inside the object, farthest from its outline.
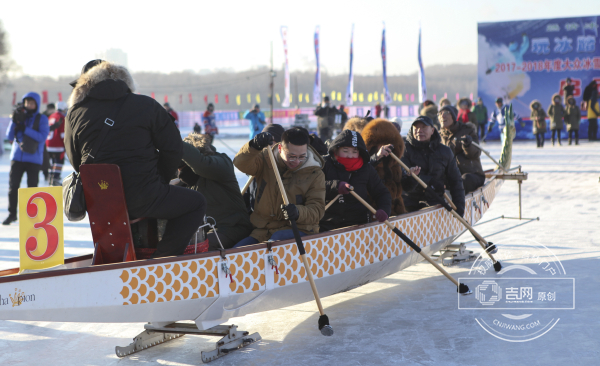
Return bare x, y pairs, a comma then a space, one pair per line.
115, 55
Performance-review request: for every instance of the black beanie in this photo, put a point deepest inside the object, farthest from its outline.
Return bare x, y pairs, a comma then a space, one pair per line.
275, 130
450, 110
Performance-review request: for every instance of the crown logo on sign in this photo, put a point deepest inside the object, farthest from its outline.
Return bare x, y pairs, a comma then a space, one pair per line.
103, 185
17, 299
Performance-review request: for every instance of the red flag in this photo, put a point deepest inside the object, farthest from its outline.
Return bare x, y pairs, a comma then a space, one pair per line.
227, 98
152, 95
216, 98
45, 97
206, 99
180, 99
166, 98
14, 98
59, 96
190, 96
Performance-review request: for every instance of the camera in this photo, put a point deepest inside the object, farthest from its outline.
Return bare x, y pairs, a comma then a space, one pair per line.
19, 114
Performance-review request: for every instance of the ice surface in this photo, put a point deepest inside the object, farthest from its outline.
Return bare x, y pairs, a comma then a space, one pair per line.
409, 318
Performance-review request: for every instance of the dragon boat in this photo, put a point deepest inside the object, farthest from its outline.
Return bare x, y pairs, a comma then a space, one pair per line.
207, 289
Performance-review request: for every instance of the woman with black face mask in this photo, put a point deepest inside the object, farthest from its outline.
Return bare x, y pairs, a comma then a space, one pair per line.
572, 118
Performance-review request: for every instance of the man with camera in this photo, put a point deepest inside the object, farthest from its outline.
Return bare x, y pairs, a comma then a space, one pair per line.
28, 131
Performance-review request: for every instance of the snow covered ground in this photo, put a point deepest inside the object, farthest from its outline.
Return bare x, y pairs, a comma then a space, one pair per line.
409, 318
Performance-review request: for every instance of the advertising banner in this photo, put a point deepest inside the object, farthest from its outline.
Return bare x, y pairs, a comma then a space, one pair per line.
522, 61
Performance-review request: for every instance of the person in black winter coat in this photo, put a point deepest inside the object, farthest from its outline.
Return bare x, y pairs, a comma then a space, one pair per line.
347, 165
143, 141
438, 168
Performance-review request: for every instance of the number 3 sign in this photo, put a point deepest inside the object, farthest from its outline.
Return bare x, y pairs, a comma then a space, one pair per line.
41, 243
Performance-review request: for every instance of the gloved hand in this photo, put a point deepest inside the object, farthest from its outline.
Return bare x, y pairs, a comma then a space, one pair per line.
466, 140
343, 188
437, 186
261, 141
290, 212
381, 216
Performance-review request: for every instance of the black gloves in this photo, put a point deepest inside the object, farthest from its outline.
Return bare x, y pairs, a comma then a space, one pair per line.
261, 141
437, 186
290, 212
490, 128
466, 140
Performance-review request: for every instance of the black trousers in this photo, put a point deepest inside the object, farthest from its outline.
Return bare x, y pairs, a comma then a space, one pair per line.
556, 131
540, 139
17, 168
57, 159
472, 181
46, 163
593, 129
576, 133
184, 210
481, 129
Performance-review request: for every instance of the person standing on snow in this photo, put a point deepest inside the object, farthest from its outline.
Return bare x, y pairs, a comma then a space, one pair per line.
481, 114
464, 114
325, 119
590, 101
27, 131
572, 119
498, 116
210, 122
568, 90
538, 119
556, 112
257, 121
55, 143
172, 113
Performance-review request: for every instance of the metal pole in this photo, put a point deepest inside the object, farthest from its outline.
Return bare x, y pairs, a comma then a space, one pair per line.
272, 84
520, 182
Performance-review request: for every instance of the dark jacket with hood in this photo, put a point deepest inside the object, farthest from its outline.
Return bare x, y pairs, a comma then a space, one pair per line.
212, 174
437, 162
144, 141
538, 117
468, 158
572, 114
348, 210
556, 112
376, 134
17, 132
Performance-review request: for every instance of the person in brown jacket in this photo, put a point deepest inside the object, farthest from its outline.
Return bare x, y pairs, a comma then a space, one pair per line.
300, 167
381, 138
572, 119
538, 119
459, 137
357, 124
556, 111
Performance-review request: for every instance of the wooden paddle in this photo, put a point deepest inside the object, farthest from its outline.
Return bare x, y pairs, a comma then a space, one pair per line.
247, 184
484, 244
324, 326
489, 156
461, 288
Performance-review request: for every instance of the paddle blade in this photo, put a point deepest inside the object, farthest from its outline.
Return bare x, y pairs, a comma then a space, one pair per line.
324, 326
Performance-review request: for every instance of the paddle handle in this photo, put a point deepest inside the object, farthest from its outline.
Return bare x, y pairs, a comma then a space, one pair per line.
489, 156
313, 286
406, 239
247, 185
419, 179
332, 202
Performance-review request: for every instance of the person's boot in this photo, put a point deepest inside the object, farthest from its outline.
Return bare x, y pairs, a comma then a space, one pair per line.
9, 219
569, 141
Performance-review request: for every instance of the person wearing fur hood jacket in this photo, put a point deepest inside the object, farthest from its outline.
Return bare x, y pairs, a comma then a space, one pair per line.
381, 138
556, 112
430, 110
142, 140
464, 113
538, 119
572, 119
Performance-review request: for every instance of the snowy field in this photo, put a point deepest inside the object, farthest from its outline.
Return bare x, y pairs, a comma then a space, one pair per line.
409, 318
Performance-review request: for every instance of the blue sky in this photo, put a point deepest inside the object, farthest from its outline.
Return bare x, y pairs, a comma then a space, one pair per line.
58, 37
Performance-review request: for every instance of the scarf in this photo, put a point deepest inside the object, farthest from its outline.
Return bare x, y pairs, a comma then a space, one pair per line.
463, 116
351, 164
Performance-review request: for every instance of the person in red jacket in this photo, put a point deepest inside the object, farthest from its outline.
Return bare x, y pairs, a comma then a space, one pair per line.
172, 113
55, 143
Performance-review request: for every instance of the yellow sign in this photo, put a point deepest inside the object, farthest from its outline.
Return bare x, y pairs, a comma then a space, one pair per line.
41, 241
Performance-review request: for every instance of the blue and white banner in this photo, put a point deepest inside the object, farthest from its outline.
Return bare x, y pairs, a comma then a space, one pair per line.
521, 61
422, 86
317, 89
350, 88
387, 96
286, 98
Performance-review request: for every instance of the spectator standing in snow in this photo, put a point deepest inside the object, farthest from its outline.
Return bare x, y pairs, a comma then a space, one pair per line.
257, 121
481, 114
325, 119
27, 131
556, 112
568, 90
498, 116
172, 113
55, 143
538, 119
210, 122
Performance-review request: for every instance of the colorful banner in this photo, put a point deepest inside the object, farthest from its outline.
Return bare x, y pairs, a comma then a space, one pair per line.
350, 88
286, 99
41, 241
317, 88
388, 97
422, 86
521, 61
